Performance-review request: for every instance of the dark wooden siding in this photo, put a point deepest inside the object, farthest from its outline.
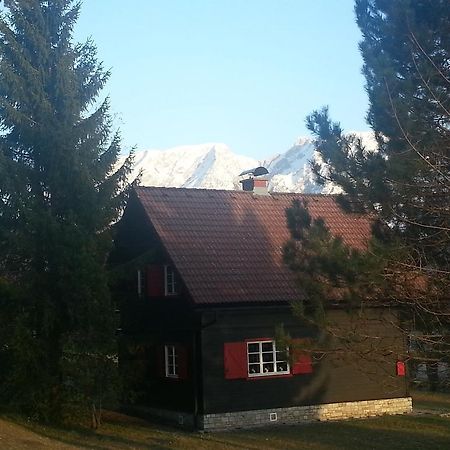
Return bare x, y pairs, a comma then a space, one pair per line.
337, 377
155, 325
148, 323
134, 235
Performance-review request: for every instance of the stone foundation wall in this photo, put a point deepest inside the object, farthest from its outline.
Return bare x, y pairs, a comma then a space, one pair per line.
330, 411
282, 416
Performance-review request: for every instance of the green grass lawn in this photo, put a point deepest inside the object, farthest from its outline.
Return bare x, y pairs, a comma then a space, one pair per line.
432, 401
388, 432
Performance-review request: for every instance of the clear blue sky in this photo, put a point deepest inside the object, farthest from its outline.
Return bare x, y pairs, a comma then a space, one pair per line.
242, 72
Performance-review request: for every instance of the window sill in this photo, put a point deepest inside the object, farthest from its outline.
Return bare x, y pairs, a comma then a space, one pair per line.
269, 376
172, 377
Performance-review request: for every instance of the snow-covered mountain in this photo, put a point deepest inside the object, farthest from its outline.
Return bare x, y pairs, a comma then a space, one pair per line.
211, 166
291, 172
215, 166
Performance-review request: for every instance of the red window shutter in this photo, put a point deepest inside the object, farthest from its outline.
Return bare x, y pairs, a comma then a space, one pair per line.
155, 281
303, 364
401, 369
235, 360
182, 354
301, 360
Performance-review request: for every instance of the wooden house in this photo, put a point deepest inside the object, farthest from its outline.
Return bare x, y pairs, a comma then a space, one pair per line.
206, 289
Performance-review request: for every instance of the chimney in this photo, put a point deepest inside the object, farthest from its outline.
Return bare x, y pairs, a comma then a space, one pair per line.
255, 180
261, 185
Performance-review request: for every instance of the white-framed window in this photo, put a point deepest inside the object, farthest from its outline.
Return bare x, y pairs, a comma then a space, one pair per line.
171, 361
263, 359
170, 281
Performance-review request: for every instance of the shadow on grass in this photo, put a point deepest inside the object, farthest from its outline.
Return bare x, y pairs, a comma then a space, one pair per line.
109, 436
399, 432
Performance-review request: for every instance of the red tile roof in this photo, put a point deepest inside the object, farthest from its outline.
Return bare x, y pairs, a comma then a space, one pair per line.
228, 245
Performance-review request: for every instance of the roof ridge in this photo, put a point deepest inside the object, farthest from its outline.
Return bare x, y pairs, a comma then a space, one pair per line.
233, 191
184, 189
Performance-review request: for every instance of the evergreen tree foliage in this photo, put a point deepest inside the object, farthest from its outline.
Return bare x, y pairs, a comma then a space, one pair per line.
324, 266
59, 193
406, 50
406, 181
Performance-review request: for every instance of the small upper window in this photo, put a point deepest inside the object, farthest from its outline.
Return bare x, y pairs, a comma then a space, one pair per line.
171, 361
263, 358
171, 282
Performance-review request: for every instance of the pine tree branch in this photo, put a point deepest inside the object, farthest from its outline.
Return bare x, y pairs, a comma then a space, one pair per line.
405, 135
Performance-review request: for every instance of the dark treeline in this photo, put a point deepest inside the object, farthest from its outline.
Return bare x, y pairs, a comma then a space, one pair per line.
60, 191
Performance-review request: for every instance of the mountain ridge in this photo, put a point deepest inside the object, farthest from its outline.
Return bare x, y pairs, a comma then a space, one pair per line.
216, 166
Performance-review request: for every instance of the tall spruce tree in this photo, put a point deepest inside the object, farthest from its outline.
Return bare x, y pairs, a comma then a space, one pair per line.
406, 181
59, 193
